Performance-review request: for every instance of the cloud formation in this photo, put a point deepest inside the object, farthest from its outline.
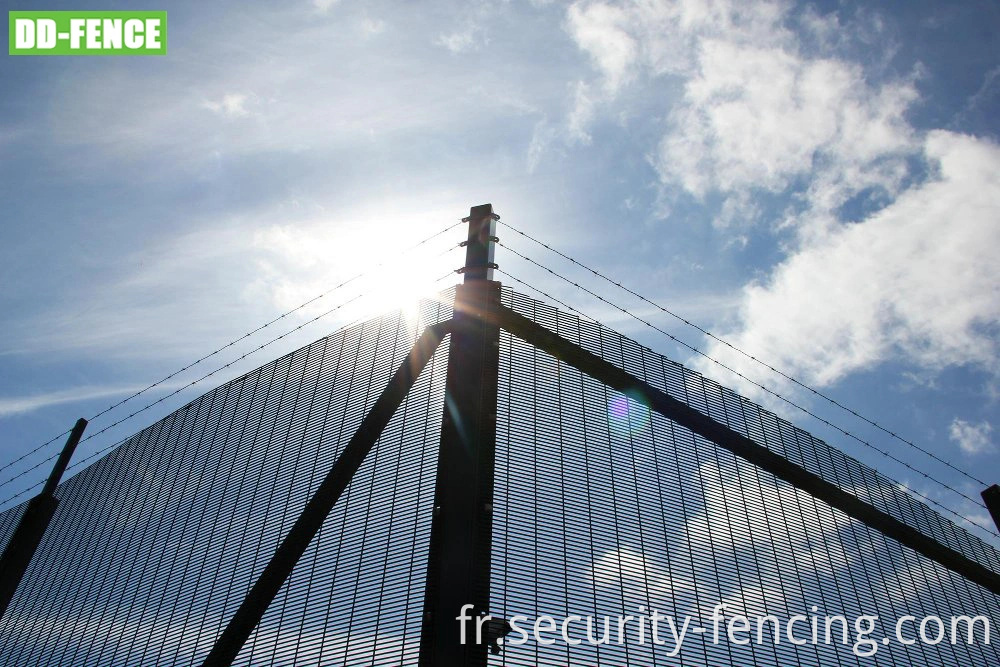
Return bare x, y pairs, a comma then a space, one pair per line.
972, 438
915, 281
764, 99
889, 232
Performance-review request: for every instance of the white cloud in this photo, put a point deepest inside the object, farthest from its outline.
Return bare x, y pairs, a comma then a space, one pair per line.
459, 42
602, 31
324, 6
298, 105
582, 114
16, 405
972, 438
915, 281
231, 105
754, 112
770, 101
758, 117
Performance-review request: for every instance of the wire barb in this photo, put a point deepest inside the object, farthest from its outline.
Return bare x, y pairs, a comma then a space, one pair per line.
753, 358
862, 441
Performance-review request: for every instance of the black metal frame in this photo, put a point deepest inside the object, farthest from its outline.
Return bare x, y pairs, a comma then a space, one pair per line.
458, 576
34, 522
250, 612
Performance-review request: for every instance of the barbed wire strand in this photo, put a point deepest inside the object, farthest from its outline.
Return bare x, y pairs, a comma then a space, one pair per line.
227, 346
764, 388
753, 358
108, 448
962, 518
740, 375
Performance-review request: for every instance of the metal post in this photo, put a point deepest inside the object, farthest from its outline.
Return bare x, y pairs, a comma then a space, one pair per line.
36, 518
458, 576
991, 497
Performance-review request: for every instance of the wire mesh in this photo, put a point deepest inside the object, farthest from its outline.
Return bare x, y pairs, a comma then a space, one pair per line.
605, 509
601, 509
154, 546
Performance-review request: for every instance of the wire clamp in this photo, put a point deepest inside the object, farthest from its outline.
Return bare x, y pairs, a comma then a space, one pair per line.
489, 265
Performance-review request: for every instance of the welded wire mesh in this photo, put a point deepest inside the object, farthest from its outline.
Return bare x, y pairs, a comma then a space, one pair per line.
601, 508
605, 509
154, 547
760, 425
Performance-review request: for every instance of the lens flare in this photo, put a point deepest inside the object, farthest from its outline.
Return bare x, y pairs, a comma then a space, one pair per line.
627, 414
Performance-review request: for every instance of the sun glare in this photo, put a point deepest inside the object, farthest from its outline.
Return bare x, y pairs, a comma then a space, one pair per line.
373, 254
402, 288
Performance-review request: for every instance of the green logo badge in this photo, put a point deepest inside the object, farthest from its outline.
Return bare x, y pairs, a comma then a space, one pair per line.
87, 33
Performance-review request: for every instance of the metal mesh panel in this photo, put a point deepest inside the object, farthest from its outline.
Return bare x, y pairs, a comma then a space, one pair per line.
758, 424
8, 522
153, 547
606, 509
600, 508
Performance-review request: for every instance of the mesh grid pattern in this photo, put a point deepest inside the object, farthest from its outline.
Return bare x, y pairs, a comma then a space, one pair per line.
154, 546
607, 509
760, 425
600, 508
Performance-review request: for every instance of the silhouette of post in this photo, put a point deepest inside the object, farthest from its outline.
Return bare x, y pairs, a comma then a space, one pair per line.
458, 576
34, 522
991, 497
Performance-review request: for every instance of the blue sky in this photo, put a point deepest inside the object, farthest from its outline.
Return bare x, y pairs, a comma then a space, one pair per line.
817, 183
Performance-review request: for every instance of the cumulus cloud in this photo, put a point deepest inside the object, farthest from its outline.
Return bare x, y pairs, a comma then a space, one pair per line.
914, 281
602, 30
771, 102
632, 572
757, 109
971, 438
759, 117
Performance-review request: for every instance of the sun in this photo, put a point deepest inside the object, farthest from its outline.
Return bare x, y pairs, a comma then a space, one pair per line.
363, 269
401, 288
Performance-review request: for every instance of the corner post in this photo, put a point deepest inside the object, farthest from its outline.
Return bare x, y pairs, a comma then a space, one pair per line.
34, 522
458, 568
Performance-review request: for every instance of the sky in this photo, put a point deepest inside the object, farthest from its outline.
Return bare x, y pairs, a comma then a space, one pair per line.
816, 183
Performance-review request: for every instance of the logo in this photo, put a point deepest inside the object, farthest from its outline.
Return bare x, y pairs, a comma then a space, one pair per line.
87, 33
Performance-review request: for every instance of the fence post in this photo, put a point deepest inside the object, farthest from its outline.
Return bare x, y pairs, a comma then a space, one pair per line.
29, 532
458, 570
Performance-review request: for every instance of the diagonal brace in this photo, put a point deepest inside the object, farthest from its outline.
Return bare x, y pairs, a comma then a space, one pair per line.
742, 446
246, 618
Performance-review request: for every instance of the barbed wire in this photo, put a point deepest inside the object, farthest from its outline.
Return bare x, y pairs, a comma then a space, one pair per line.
228, 345
182, 388
760, 386
962, 518
113, 445
753, 358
